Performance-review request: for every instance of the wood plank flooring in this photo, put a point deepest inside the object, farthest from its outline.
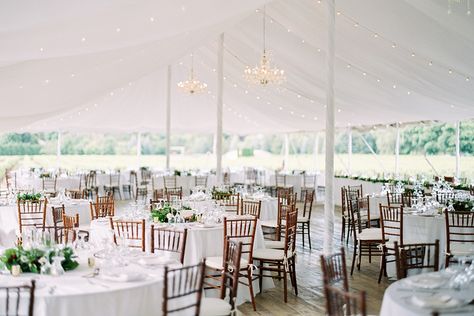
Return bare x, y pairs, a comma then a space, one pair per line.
310, 299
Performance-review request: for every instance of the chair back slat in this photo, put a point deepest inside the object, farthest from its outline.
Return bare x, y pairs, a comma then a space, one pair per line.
250, 207
344, 303
133, 232
183, 289
31, 213
308, 203
334, 269
230, 274
18, 300
170, 181
290, 233
231, 202
391, 219
241, 230
416, 256
170, 240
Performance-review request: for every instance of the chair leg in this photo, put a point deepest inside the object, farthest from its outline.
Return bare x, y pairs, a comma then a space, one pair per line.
252, 297
354, 258
260, 277
382, 265
359, 257
343, 230
309, 235
285, 286
302, 234
295, 285
349, 230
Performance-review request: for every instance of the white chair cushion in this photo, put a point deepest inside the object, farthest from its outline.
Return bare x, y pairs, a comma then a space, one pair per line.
269, 223
268, 254
215, 307
303, 219
459, 249
274, 244
216, 263
370, 234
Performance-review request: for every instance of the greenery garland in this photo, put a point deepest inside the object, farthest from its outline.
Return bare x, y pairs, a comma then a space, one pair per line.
30, 260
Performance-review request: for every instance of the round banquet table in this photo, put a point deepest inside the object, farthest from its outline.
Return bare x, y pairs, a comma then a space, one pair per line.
201, 243
9, 218
74, 295
401, 298
422, 229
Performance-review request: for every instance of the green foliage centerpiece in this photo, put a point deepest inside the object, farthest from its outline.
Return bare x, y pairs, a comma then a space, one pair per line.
29, 196
31, 260
166, 212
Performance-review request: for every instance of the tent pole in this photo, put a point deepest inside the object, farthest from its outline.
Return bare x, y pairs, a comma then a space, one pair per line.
139, 149
287, 151
458, 149
316, 147
220, 90
349, 151
330, 122
168, 116
58, 152
397, 151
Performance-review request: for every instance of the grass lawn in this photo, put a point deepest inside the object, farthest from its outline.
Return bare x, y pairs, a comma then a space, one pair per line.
361, 164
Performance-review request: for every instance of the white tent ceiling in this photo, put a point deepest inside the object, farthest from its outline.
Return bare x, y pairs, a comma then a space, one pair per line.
100, 65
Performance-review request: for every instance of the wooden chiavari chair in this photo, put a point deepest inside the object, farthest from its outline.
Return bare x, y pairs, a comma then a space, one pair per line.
91, 188
444, 198
344, 303
231, 203
200, 181
114, 184
19, 299
309, 185
75, 194
416, 256
229, 284
170, 181
345, 216
131, 231
251, 176
31, 213
284, 191
159, 194
49, 185
366, 239
280, 180
141, 190
354, 191
334, 270
70, 223
145, 176
226, 180
248, 207
395, 199
103, 207
168, 240
304, 221
174, 193
238, 230
183, 289
280, 261
459, 234
391, 220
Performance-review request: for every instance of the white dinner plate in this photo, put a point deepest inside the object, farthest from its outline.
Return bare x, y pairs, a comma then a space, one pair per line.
437, 301
426, 281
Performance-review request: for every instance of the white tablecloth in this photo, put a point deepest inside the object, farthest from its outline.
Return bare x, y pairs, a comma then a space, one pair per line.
200, 243
9, 228
397, 300
75, 295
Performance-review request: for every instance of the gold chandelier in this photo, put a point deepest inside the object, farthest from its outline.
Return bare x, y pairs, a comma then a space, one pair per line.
264, 73
192, 85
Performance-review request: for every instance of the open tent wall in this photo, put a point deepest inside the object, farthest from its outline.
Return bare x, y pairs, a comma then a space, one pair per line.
102, 66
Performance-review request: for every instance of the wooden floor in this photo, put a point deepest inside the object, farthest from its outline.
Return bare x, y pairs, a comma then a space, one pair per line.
310, 299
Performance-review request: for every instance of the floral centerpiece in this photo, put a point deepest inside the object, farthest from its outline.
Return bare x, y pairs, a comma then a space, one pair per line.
219, 193
31, 260
29, 196
463, 206
163, 214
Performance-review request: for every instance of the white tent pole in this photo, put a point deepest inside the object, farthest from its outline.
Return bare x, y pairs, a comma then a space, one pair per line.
58, 151
349, 151
397, 151
458, 149
168, 116
139, 148
330, 120
220, 90
287, 150
316, 154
